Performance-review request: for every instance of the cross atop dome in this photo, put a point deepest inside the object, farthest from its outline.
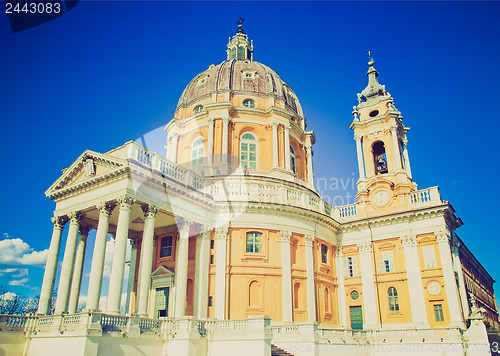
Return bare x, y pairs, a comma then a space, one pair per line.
240, 47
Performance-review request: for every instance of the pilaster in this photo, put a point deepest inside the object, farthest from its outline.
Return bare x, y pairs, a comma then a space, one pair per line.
286, 276
220, 273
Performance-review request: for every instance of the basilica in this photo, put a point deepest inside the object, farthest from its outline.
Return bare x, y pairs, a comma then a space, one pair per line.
233, 250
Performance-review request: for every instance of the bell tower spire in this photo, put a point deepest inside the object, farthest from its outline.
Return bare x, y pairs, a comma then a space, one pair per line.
381, 144
239, 47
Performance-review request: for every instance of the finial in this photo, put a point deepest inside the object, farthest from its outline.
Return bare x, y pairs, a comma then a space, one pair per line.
371, 61
240, 25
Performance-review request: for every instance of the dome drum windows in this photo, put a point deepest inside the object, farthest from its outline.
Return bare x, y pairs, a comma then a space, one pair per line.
198, 109
293, 166
249, 103
197, 154
248, 151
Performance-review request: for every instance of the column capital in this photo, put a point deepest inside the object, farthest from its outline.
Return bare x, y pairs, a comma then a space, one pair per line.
393, 128
126, 202
226, 119
184, 225
206, 234
59, 222
309, 240
308, 149
105, 209
75, 217
408, 240
135, 243
365, 247
357, 137
222, 232
211, 120
149, 210
286, 236
287, 126
443, 236
84, 230
338, 250
274, 124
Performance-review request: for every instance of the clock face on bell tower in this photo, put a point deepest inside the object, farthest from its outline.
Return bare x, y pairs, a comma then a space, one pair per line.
381, 198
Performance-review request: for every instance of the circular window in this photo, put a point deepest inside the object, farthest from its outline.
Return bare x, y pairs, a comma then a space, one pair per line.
198, 109
249, 103
374, 113
354, 295
434, 288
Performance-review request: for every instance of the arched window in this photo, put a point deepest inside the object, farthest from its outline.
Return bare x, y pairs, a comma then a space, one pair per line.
392, 293
249, 103
248, 151
296, 295
379, 157
233, 53
197, 154
254, 294
292, 160
241, 53
254, 242
198, 109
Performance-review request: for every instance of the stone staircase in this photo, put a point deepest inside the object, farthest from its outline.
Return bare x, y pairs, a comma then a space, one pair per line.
276, 351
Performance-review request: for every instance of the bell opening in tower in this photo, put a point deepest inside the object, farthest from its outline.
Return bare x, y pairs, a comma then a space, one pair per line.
380, 158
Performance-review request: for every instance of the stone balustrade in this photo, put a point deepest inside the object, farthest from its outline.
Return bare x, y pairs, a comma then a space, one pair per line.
425, 197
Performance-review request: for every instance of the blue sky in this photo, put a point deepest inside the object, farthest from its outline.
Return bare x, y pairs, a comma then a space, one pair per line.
109, 72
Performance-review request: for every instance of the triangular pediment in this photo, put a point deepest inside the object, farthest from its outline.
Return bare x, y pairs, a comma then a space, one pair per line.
162, 271
90, 165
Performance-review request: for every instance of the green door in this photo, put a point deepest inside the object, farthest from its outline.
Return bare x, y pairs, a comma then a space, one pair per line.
356, 318
161, 302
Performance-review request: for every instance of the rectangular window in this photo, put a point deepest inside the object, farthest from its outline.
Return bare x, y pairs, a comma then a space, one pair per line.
387, 263
438, 312
209, 301
429, 256
211, 259
166, 246
351, 266
212, 244
324, 253
254, 242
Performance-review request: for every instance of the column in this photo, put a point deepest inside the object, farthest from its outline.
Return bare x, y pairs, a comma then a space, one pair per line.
49, 275
210, 144
359, 150
77, 273
225, 131
147, 250
95, 280
286, 133
443, 238
118, 266
310, 178
220, 273
131, 276
395, 141
181, 266
311, 298
406, 157
175, 140
201, 275
368, 285
415, 285
274, 125
339, 265
286, 276
68, 264
461, 282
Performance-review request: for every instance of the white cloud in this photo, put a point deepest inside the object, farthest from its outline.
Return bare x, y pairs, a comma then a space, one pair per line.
19, 282
8, 296
15, 252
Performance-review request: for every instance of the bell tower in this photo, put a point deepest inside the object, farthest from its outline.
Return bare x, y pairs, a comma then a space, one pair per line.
384, 166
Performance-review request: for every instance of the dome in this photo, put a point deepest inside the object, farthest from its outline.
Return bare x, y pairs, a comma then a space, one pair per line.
240, 75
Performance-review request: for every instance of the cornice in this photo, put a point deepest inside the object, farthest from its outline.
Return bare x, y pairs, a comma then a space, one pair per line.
402, 217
